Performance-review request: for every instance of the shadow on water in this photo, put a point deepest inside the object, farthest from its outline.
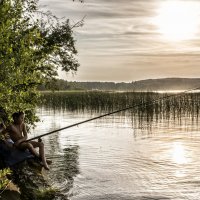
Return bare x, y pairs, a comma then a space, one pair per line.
65, 168
70, 164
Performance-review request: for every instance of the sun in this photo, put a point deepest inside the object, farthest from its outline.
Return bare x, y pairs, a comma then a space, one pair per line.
177, 20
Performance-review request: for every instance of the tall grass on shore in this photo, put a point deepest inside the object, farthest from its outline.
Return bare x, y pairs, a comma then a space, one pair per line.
147, 105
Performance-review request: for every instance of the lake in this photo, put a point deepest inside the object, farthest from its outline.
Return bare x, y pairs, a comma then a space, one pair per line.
152, 152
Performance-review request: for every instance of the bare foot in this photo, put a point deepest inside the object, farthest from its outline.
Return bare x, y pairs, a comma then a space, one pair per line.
46, 166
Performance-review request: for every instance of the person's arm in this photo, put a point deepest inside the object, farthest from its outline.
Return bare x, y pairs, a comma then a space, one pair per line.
24, 132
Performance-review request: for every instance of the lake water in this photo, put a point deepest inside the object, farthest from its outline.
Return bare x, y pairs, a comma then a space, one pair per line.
120, 157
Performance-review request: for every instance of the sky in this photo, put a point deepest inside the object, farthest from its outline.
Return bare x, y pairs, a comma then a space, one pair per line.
130, 40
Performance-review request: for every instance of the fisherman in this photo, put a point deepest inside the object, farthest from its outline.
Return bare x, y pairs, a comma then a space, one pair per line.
18, 134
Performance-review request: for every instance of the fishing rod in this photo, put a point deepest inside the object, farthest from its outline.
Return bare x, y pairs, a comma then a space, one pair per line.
111, 113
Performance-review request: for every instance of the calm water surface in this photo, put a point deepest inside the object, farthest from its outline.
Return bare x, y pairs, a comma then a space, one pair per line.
118, 158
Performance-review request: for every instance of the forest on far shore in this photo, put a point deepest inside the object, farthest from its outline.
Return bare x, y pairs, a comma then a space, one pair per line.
142, 85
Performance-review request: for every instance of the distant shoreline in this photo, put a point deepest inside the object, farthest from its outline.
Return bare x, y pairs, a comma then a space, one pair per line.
116, 91
149, 85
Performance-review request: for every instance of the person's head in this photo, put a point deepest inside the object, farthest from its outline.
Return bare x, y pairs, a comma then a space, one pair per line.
18, 117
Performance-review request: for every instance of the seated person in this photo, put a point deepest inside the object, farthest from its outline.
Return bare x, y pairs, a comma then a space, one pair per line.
18, 134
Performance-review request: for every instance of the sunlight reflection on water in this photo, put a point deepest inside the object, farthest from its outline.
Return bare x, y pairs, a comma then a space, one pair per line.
179, 153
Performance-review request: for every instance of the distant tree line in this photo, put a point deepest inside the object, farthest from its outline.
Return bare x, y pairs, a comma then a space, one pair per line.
143, 85
60, 84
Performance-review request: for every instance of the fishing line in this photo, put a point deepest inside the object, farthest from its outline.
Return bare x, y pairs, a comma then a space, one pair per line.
111, 113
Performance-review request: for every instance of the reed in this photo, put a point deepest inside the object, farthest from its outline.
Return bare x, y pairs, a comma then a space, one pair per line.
147, 105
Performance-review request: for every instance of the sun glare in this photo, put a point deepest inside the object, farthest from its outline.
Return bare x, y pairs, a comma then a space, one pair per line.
179, 153
177, 20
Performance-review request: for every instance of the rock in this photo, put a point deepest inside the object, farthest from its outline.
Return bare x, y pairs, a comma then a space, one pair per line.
10, 195
29, 176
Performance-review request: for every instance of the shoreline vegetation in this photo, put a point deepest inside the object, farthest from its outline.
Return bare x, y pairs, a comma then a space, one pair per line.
146, 105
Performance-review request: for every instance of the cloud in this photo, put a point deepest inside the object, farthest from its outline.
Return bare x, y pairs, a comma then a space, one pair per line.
119, 37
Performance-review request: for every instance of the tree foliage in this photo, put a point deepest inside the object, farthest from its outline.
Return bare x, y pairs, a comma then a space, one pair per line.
33, 45
3, 178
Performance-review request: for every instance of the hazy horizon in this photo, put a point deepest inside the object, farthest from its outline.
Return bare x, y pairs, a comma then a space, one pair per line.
133, 40
148, 79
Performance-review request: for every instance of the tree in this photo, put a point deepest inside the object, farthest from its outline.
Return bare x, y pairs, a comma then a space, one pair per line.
33, 45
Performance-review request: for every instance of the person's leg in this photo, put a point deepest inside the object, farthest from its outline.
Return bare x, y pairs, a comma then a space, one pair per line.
41, 152
26, 145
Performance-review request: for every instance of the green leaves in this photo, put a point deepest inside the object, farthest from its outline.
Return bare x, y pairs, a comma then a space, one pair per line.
33, 44
3, 178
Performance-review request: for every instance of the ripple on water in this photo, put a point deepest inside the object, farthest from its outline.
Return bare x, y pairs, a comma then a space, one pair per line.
99, 161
